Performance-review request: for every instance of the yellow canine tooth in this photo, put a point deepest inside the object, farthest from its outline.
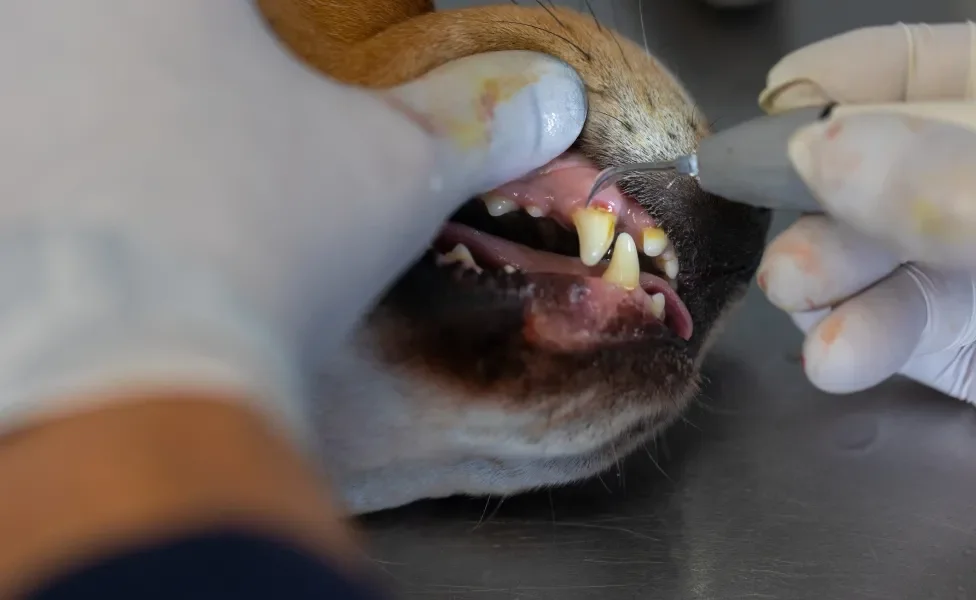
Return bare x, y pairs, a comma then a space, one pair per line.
624, 267
654, 241
595, 230
498, 205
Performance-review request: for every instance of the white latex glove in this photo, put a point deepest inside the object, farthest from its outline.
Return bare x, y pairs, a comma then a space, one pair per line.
186, 204
884, 282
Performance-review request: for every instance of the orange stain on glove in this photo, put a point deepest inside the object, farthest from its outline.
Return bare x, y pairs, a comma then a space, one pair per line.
833, 130
801, 253
830, 329
493, 91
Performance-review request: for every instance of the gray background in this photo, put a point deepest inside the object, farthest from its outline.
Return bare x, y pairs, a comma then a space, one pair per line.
771, 489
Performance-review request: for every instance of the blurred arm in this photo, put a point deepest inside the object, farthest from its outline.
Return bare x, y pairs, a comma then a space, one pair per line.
154, 467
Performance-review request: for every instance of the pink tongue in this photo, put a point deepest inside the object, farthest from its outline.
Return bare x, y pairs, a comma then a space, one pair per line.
604, 301
560, 188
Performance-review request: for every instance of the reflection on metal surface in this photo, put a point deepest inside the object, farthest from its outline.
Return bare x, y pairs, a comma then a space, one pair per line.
770, 489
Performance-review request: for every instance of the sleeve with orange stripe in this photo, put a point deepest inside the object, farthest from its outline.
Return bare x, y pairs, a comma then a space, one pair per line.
155, 468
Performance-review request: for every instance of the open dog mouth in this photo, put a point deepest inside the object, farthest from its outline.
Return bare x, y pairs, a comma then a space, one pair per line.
602, 273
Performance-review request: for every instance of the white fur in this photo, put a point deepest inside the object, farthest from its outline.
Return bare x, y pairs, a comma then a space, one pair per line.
391, 441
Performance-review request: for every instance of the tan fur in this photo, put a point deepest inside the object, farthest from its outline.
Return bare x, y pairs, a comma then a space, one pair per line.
383, 43
366, 46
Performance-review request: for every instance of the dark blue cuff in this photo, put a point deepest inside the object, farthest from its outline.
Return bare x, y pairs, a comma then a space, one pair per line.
215, 566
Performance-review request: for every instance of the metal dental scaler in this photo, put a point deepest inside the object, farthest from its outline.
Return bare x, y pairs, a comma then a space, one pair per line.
747, 163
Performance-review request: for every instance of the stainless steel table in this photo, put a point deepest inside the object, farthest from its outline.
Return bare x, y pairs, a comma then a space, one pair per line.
772, 489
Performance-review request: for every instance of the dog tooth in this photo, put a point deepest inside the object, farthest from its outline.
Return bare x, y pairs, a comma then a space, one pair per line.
535, 211
460, 254
671, 268
654, 241
498, 205
624, 267
595, 229
657, 306
668, 262
509, 269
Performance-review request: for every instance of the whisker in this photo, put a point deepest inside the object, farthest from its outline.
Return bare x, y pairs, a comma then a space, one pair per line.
710, 409
484, 511
620, 472
609, 116
497, 508
617, 41
640, 12
596, 21
658, 466
664, 448
579, 49
552, 14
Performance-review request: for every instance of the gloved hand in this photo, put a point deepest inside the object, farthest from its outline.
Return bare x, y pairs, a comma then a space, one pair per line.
884, 282
184, 203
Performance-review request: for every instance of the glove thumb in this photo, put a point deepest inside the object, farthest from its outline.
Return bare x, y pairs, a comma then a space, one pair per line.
495, 118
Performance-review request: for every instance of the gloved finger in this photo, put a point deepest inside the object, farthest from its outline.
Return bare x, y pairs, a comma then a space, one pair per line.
496, 117
486, 120
818, 261
913, 313
892, 63
951, 371
867, 339
901, 174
